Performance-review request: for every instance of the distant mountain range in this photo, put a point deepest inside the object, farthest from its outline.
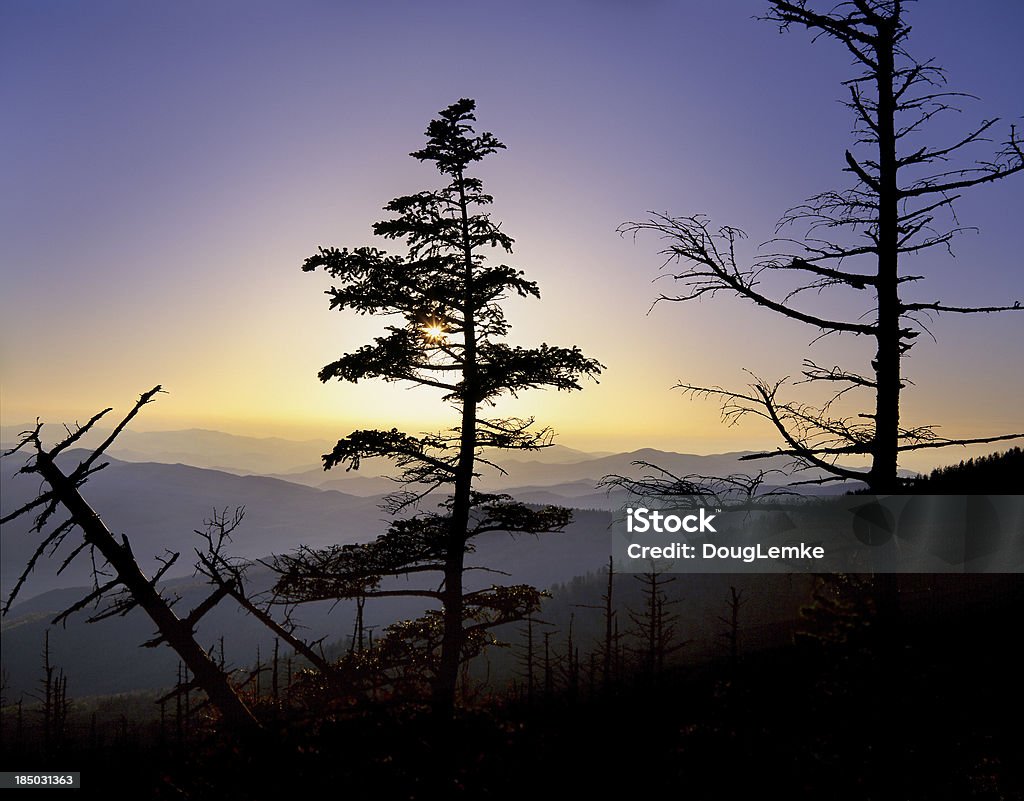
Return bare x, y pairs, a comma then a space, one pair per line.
157, 503
575, 483
237, 454
158, 506
199, 447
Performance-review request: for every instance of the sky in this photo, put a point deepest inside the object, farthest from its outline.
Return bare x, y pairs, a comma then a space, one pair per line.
166, 167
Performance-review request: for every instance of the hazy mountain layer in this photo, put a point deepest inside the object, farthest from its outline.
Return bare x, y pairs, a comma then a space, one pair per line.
237, 454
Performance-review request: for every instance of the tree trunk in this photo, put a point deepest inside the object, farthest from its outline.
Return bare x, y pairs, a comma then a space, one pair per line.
451, 647
609, 614
175, 631
882, 478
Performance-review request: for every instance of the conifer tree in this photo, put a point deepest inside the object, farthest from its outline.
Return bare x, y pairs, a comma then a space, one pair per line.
448, 332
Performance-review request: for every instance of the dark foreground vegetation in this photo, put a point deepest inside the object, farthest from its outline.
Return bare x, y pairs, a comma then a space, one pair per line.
830, 715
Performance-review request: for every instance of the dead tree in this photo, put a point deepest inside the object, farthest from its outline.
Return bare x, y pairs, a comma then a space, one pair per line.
47, 694
528, 658
359, 629
609, 627
731, 622
53, 698
274, 677
855, 242
227, 575
571, 664
609, 643
549, 676
656, 482
128, 587
655, 624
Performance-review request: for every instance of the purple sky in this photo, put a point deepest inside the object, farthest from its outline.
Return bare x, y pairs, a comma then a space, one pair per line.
167, 166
